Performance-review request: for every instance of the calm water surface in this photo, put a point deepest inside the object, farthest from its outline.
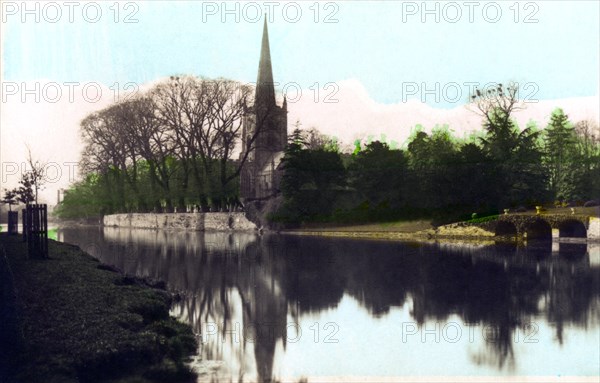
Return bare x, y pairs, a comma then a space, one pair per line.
288, 308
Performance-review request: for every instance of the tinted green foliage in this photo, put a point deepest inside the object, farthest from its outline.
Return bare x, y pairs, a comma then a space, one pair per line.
166, 148
113, 192
378, 176
571, 156
313, 180
483, 219
438, 176
148, 155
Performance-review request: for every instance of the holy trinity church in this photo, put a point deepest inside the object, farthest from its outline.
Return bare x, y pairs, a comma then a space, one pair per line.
264, 134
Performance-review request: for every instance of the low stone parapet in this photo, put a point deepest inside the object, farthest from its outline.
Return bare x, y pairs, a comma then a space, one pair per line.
181, 221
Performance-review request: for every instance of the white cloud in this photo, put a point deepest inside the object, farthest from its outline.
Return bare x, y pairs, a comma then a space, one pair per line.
357, 115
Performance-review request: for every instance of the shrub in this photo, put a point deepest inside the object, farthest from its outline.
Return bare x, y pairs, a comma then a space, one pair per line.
591, 203
483, 219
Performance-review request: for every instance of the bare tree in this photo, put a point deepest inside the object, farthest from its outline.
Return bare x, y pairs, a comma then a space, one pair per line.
38, 176
514, 153
205, 118
181, 107
228, 110
588, 132
497, 104
184, 128
156, 146
104, 152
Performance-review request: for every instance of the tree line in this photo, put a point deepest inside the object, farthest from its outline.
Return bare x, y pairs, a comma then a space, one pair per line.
167, 149
174, 146
439, 176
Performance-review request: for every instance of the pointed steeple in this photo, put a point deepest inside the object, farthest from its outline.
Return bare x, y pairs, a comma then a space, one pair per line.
265, 88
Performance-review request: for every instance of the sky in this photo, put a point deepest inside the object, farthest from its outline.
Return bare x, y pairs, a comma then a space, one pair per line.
349, 68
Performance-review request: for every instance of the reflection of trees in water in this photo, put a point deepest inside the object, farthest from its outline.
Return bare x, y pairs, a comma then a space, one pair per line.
225, 280
507, 294
238, 293
259, 281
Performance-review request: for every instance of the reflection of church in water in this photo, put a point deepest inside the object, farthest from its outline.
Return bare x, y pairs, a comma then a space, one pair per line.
264, 134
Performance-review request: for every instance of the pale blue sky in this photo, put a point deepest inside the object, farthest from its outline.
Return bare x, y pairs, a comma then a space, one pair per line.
370, 43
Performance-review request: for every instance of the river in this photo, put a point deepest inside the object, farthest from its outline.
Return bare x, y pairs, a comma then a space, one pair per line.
295, 308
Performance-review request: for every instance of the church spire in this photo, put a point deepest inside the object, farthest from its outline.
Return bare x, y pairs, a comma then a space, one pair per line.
265, 88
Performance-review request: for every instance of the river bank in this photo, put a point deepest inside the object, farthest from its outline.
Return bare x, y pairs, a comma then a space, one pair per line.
396, 236
77, 320
585, 226
420, 230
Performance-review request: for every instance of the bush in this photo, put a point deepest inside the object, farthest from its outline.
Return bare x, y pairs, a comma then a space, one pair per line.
591, 203
483, 219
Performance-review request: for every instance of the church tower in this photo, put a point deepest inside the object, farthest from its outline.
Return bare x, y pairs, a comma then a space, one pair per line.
264, 133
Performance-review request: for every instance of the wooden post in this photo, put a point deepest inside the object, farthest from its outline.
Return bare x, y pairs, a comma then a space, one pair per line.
30, 238
13, 222
24, 218
44, 234
37, 230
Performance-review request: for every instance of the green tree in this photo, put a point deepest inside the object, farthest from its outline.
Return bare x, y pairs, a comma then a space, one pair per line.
311, 181
418, 173
473, 179
560, 154
25, 192
514, 156
10, 198
432, 172
378, 174
587, 175
84, 199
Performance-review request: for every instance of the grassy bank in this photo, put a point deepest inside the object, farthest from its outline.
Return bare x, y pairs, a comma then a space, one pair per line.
83, 322
384, 227
419, 230
476, 229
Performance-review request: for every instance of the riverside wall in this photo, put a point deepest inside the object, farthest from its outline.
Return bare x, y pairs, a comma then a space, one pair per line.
181, 221
593, 231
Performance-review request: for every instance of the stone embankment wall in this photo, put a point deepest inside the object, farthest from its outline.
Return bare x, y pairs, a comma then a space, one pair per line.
594, 229
182, 221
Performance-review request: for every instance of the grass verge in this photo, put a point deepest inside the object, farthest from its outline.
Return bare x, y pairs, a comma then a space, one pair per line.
83, 322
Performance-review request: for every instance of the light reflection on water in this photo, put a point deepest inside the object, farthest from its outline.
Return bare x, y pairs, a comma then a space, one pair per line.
290, 307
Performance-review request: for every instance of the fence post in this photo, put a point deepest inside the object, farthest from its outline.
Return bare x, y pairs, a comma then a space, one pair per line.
13, 222
35, 230
24, 228
44, 234
30, 238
